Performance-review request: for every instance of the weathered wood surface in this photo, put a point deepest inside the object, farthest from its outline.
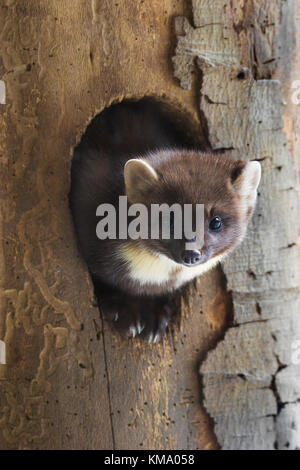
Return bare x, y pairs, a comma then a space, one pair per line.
69, 382
251, 378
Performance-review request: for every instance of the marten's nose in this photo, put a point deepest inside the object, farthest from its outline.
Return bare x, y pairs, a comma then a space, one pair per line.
191, 257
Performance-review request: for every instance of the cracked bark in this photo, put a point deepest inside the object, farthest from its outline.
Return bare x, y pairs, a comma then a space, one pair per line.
251, 385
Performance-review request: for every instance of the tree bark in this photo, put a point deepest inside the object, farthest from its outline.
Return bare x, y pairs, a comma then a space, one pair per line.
69, 382
251, 378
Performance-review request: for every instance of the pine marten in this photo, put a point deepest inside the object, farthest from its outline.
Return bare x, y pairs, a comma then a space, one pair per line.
135, 149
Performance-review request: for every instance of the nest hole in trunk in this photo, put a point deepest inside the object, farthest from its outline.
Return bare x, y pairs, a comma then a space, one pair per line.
116, 130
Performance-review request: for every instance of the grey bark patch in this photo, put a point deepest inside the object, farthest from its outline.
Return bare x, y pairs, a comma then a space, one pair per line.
251, 386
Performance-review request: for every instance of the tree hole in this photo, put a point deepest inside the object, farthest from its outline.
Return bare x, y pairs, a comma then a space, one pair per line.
125, 130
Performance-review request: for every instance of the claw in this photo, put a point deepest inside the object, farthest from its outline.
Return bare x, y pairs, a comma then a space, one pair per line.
150, 339
156, 338
132, 330
139, 328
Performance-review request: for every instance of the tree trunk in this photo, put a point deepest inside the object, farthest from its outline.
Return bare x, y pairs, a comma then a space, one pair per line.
69, 382
251, 378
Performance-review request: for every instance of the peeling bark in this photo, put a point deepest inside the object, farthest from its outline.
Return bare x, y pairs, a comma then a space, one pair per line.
252, 387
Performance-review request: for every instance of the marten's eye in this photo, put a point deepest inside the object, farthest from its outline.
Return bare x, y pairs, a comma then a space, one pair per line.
215, 224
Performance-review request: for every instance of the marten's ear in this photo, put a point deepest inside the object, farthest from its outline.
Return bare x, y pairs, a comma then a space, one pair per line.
139, 179
247, 178
245, 183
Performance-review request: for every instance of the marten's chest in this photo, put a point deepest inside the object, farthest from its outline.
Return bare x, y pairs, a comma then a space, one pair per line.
147, 268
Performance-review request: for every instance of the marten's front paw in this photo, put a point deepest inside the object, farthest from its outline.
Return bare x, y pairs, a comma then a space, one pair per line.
145, 317
129, 323
156, 322
124, 316
133, 317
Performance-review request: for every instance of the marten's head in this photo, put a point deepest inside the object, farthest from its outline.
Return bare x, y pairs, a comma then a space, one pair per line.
226, 187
